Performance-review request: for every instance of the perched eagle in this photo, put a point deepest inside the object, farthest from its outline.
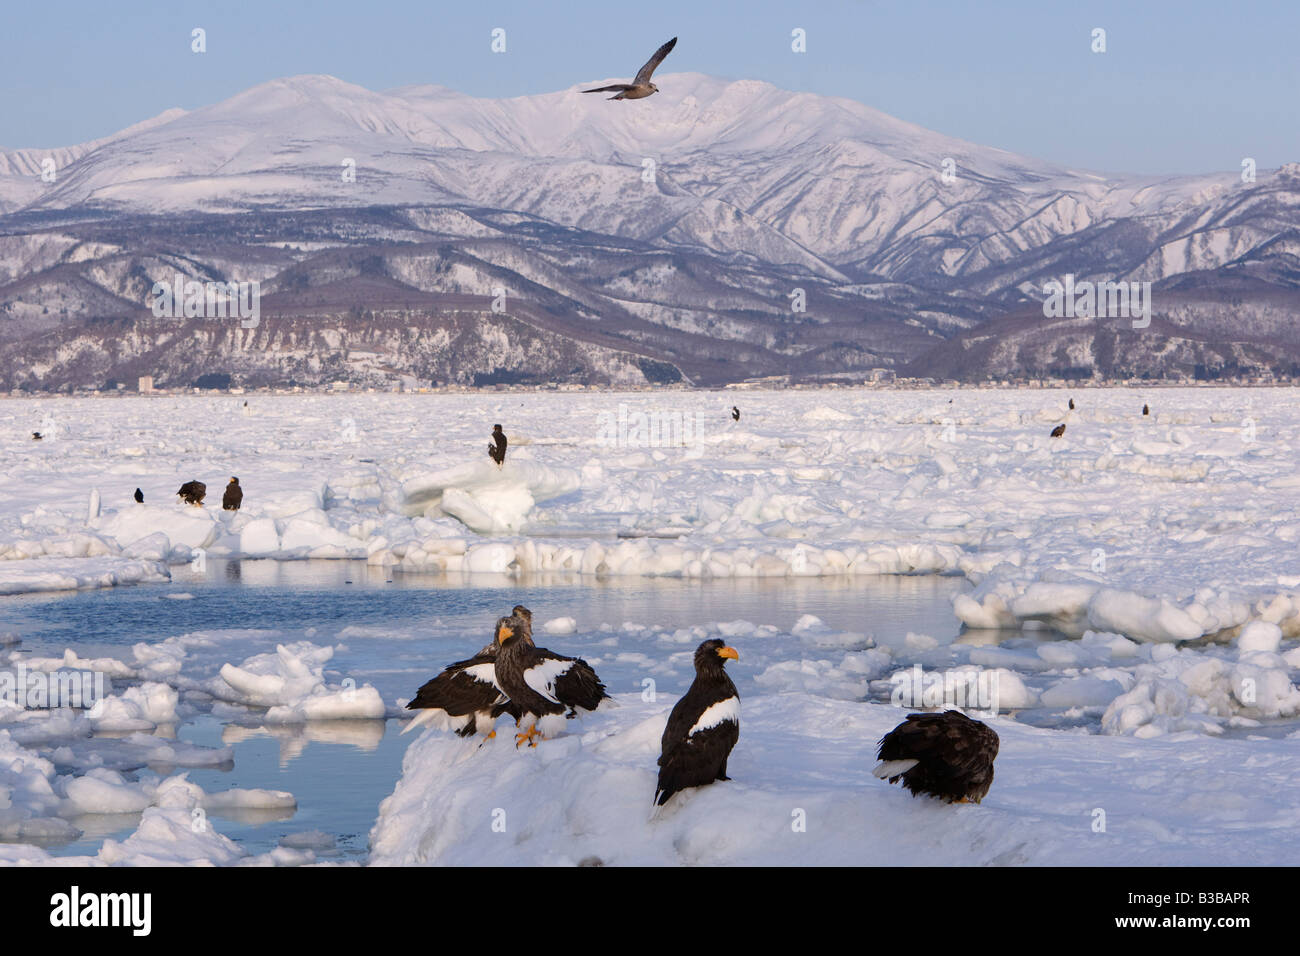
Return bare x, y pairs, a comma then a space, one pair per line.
703, 726
948, 755
1058, 431
1146, 410
1071, 404
542, 684
735, 413
497, 452
192, 492
233, 497
139, 496
465, 695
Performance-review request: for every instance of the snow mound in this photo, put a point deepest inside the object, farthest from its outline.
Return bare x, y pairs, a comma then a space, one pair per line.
290, 684
484, 498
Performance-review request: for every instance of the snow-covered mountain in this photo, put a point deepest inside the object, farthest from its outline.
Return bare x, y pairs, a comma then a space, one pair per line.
674, 229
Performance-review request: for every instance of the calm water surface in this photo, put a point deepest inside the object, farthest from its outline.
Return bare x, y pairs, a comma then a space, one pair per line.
340, 771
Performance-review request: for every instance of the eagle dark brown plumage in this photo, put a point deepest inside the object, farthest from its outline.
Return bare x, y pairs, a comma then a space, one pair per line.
233, 497
703, 726
540, 682
467, 693
192, 492
948, 755
497, 451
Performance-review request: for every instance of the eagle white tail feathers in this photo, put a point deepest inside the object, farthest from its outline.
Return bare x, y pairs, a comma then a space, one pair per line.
893, 768
424, 718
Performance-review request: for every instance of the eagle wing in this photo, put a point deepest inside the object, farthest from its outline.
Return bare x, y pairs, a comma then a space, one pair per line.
643, 75
462, 688
580, 687
543, 675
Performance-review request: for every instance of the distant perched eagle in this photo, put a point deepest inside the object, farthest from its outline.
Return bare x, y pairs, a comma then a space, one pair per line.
948, 755
139, 496
192, 492
497, 452
465, 694
233, 497
640, 87
735, 413
1071, 404
1058, 431
703, 726
1146, 410
543, 684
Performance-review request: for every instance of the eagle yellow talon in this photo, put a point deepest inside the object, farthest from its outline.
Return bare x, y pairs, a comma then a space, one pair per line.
532, 735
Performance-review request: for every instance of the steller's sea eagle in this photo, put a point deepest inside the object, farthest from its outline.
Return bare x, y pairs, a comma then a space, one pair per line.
542, 684
233, 497
192, 493
497, 451
948, 755
703, 726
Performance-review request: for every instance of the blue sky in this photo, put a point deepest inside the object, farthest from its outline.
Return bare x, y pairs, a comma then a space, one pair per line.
1190, 86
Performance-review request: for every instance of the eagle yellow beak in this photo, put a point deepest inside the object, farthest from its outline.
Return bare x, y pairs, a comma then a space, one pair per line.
504, 633
729, 652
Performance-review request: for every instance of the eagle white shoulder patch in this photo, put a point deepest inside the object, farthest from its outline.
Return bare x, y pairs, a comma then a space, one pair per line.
486, 673
542, 677
718, 713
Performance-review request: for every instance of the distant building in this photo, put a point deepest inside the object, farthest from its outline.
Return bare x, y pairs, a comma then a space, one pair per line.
145, 385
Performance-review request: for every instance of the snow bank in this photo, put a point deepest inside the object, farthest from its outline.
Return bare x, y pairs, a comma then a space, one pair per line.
802, 794
59, 574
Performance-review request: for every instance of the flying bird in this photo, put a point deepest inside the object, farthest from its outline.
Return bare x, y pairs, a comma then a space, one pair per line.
37, 436
735, 413
139, 496
192, 493
465, 695
543, 684
703, 726
497, 452
1058, 431
640, 87
233, 497
948, 755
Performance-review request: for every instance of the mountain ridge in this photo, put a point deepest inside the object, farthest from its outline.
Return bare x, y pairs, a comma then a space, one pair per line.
697, 212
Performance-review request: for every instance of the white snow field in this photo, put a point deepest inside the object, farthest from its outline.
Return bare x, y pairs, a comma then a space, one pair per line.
1148, 709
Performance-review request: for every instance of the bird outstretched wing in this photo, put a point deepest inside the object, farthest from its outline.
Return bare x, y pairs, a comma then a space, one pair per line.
616, 88
643, 75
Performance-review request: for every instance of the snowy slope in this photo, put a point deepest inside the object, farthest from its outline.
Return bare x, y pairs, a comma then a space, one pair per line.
673, 230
